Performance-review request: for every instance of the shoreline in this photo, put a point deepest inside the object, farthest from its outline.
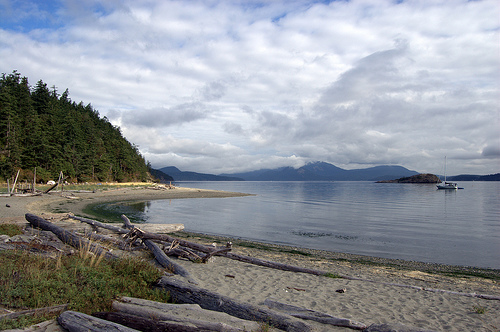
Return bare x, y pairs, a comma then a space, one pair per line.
373, 298
57, 204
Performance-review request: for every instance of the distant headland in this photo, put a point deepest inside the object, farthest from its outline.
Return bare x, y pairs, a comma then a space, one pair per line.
419, 178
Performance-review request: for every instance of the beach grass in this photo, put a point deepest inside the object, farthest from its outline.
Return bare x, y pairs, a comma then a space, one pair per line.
11, 229
29, 281
88, 186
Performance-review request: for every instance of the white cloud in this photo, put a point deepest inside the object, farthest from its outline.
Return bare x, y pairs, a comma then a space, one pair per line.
228, 86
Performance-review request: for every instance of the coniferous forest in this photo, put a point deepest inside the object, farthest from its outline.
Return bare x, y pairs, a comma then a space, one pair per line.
42, 129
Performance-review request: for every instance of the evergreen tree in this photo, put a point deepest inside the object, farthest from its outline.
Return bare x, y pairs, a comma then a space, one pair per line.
40, 128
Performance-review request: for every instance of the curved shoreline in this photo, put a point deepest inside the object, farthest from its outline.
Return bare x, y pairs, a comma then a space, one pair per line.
55, 204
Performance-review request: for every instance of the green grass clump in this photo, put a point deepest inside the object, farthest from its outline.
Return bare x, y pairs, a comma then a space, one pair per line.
331, 275
29, 281
479, 309
10, 229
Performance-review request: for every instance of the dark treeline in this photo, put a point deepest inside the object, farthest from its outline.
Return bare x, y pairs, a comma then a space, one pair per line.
44, 129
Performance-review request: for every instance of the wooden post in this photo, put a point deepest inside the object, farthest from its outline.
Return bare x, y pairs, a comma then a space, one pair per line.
59, 180
34, 180
15, 181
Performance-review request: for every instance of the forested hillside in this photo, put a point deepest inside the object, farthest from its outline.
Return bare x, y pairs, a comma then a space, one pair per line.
44, 129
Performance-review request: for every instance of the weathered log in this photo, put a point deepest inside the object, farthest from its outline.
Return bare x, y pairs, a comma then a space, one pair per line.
214, 253
274, 265
123, 245
146, 324
183, 253
38, 311
185, 293
79, 322
110, 227
168, 238
160, 256
394, 327
53, 186
67, 237
205, 320
317, 316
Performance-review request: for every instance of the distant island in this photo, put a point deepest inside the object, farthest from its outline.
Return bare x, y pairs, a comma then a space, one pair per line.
470, 177
419, 178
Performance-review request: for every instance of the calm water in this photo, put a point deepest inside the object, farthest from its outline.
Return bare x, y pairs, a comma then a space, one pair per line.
407, 221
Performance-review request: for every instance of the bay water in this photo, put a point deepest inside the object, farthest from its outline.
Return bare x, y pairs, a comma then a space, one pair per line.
404, 221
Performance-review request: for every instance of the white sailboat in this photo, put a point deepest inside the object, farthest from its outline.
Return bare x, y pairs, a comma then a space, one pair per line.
447, 185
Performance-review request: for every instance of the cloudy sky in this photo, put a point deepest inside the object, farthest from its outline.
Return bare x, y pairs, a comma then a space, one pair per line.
228, 86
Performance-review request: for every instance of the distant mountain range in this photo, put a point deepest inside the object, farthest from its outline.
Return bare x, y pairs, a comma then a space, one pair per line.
316, 171
321, 171
179, 175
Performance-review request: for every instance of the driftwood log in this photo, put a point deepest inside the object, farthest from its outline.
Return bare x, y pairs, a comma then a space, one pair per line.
186, 293
79, 322
184, 313
95, 223
53, 186
68, 237
160, 256
146, 324
317, 316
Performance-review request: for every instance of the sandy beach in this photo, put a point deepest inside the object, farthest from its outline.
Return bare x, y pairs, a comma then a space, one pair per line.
371, 300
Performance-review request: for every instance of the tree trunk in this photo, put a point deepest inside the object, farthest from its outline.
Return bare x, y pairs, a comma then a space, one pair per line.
186, 293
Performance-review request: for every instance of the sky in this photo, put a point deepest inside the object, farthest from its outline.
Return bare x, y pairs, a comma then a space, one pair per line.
232, 86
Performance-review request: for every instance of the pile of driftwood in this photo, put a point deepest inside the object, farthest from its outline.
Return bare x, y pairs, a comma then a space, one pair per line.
137, 314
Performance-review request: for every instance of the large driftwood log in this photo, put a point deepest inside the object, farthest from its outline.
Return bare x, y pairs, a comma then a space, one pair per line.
39, 311
147, 324
186, 293
78, 322
317, 316
67, 237
191, 313
203, 325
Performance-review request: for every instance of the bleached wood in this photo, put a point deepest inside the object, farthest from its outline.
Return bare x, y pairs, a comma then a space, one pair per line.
317, 316
79, 322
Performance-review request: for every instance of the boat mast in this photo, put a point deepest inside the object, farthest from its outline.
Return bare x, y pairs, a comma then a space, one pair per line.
444, 169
